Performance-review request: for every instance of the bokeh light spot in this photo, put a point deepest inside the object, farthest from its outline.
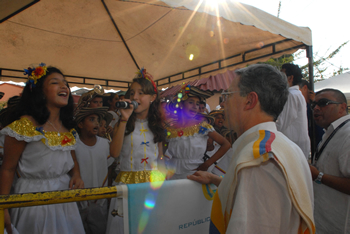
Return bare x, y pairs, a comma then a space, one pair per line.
191, 57
260, 45
192, 50
149, 201
143, 221
179, 95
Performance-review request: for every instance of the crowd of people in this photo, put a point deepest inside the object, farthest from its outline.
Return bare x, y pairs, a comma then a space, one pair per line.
256, 149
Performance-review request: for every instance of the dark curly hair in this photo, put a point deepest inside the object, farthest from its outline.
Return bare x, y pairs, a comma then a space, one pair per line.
33, 103
155, 117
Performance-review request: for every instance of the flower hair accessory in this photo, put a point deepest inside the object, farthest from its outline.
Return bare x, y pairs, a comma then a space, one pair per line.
143, 74
35, 73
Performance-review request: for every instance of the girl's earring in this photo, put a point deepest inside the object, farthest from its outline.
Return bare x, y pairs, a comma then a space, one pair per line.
151, 101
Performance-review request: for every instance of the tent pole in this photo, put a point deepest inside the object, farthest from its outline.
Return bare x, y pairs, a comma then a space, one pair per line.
309, 55
116, 27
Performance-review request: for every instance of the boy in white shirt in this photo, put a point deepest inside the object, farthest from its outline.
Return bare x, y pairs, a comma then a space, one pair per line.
93, 156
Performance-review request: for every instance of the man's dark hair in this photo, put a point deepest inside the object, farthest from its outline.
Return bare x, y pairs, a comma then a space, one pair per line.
339, 95
293, 70
269, 83
303, 83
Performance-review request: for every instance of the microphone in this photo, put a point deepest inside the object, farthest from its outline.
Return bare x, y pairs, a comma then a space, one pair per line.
126, 105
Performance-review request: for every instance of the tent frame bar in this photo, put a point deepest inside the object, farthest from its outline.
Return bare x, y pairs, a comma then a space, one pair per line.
219, 62
120, 34
19, 10
85, 80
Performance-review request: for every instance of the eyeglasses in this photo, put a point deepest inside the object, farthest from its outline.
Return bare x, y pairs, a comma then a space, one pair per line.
323, 102
226, 95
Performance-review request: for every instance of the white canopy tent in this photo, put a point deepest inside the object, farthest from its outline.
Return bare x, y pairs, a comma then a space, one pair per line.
105, 42
341, 82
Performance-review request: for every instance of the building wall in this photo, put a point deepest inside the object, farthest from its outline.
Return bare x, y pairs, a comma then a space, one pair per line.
9, 90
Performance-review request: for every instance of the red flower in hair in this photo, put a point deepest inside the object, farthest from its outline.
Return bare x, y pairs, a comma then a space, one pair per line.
39, 71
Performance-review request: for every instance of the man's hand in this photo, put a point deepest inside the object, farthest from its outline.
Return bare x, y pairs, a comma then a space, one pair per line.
204, 177
314, 172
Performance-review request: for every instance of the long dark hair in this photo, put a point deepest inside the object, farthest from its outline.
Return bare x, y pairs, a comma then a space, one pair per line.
155, 117
33, 103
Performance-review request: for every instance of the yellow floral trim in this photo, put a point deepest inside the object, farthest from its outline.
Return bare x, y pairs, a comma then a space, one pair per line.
66, 138
24, 127
189, 131
135, 177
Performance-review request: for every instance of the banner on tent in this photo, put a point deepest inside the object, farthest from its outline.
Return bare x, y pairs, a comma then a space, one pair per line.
178, 206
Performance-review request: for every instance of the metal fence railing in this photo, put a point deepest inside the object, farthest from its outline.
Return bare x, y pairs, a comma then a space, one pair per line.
47, 198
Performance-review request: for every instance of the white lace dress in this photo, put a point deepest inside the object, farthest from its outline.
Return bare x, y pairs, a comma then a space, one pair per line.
44, 166
186, 148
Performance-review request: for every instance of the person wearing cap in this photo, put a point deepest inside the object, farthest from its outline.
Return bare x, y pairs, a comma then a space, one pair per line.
121, 95
91, 99
93, 155
187, 138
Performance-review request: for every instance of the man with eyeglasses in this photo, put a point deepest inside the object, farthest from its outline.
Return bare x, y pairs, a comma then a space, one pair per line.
267, 187
292, 121
331, 163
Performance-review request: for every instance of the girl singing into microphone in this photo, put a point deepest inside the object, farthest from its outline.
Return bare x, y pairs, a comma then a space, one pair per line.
137, 140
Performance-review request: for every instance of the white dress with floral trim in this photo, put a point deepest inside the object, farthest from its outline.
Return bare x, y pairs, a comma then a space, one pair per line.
44, 166
186, 148
138, 156
138, 164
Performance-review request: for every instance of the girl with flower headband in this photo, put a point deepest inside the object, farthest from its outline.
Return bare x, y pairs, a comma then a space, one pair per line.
40, 145
137, 141
187, 138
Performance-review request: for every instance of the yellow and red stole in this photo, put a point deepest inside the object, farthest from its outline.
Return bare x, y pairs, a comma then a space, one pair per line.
252, 151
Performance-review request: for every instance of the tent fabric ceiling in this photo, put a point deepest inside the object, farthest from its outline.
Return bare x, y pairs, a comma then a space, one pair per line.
79, 37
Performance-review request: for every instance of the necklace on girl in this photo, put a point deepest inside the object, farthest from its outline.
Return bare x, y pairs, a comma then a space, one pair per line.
58, 131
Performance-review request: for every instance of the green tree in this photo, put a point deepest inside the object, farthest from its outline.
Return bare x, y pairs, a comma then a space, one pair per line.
321, 64
278, 62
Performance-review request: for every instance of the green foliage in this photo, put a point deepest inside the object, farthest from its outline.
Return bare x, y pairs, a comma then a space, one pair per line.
321, 64
278, 62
